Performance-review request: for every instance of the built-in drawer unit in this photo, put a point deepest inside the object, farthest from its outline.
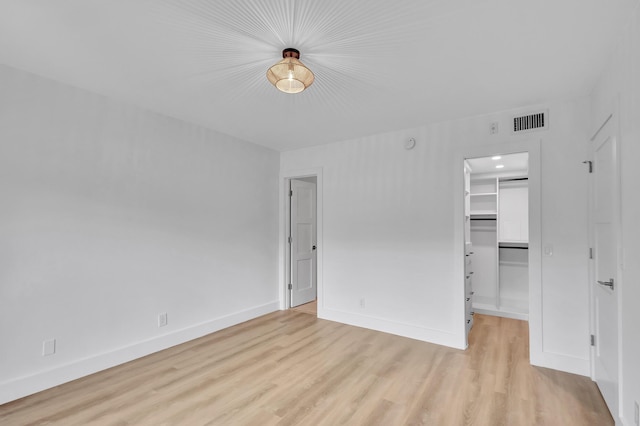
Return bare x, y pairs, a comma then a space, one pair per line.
468, 285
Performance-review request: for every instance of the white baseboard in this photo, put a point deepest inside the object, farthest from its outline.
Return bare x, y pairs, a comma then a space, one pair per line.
479, 309
437, 337
20, 387
561, 362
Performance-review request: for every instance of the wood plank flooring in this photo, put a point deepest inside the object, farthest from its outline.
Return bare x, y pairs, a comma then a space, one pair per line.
308, 308
290, 368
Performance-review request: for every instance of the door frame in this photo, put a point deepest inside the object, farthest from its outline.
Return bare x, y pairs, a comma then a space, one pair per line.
611, 119
284, 248
532, 146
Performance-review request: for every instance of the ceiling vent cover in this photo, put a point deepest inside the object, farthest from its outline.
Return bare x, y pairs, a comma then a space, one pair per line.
535, 121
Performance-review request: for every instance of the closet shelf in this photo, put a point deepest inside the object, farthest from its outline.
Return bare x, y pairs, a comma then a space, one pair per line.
484, 214
513, 244
483, 194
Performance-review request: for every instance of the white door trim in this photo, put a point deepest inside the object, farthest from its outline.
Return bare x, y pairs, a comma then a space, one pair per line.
536, 350
283, 270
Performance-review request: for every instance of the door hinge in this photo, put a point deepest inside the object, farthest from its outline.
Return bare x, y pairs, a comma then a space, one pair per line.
590, 252
590, 163
593, 340
291, 193
290, 286
289, 239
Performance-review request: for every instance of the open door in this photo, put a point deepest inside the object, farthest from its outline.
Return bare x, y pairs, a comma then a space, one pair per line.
303, 242
604, 226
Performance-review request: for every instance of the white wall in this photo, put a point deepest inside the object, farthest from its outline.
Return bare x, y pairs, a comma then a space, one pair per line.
111, 215
620, 83
390, 220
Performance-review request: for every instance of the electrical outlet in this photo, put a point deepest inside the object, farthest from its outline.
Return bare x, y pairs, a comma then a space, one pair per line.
49, 347
362, 303
493, 130
162, 319
636, 415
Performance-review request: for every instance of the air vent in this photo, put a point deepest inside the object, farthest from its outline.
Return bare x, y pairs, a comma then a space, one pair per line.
535, 121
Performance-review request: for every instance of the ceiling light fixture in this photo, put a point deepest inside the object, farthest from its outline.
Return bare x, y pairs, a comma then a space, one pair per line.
500, 166
495, 158
290, 75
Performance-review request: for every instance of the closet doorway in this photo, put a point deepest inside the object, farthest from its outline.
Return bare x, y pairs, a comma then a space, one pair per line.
497, 236
301, 232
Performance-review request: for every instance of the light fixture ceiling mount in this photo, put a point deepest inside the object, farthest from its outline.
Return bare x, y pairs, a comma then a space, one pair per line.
290, 75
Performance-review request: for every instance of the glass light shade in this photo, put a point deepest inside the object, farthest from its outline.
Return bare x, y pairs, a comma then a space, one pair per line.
290, 75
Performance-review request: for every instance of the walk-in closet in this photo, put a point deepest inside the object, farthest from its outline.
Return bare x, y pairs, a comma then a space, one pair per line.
497, 235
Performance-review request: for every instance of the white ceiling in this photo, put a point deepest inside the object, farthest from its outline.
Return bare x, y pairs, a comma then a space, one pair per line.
380, 65
511, 163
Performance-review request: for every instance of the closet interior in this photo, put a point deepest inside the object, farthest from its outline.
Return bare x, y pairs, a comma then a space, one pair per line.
496, 236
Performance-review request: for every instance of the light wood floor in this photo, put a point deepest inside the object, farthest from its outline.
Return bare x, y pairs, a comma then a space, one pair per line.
308, 308
290, 368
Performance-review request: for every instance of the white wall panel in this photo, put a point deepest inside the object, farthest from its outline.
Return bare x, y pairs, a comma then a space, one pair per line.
389, 229
111, 215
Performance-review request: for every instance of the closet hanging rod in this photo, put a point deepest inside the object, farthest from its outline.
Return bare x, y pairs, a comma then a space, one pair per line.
513, 179
519, 246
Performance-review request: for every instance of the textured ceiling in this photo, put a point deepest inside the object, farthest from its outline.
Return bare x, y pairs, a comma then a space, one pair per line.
379, 65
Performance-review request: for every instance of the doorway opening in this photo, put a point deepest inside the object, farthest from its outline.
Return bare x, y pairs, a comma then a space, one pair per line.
497, 233
302, 244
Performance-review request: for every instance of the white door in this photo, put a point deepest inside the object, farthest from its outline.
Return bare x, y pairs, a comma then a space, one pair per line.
303, 242
605, 279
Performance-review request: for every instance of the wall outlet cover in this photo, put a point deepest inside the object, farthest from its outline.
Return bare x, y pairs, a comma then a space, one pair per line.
162, 319
48, 347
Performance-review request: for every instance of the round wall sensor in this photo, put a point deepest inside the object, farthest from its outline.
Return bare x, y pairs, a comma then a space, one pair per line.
410, 143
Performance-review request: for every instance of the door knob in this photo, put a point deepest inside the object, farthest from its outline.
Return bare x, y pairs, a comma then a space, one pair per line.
607, 283
313, 248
